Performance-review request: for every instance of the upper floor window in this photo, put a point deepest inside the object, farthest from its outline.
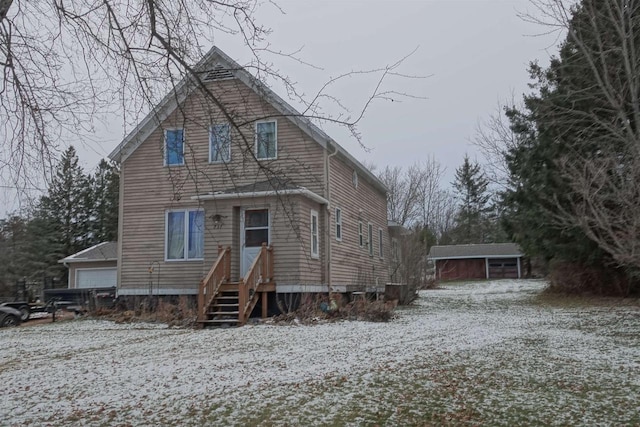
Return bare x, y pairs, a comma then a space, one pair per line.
266, 140
219, 143
174, 147
338, 224
184, 234
315, 244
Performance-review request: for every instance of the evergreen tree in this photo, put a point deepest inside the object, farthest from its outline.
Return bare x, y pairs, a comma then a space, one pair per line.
576, 165
105, 192
471, 191
64, 213
13, 239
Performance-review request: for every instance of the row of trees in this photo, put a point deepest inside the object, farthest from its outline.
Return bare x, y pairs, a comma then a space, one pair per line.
571, 150
419, 200
79, 210
432, 213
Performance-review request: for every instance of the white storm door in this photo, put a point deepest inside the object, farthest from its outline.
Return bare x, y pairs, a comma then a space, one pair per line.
254, 231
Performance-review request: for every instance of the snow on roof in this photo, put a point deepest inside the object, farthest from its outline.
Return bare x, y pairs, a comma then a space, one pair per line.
483, 250
105, 251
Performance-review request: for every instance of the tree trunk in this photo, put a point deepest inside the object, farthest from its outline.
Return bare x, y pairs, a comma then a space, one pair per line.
4, 8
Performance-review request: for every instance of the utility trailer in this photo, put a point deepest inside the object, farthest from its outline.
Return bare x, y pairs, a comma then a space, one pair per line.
77, 300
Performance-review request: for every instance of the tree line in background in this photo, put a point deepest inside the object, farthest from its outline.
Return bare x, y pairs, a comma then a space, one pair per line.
432, 214
571, 150
78, 211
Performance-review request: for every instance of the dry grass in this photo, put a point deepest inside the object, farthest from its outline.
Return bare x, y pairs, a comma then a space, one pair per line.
177, 313
322, 309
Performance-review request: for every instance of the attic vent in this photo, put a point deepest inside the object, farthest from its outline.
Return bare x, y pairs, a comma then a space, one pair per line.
218, 73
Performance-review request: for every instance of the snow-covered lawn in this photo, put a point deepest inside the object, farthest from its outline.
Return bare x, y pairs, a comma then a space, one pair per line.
491, 353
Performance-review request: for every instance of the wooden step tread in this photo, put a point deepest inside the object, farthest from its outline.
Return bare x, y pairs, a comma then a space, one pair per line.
219, 321
225, 305
223, 313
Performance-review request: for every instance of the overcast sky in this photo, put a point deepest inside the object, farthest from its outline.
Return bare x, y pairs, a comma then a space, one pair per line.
475, 53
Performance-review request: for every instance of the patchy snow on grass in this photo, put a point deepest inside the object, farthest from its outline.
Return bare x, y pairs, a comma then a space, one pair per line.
477, 353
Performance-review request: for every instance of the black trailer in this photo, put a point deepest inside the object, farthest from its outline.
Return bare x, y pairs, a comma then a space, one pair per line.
78, 300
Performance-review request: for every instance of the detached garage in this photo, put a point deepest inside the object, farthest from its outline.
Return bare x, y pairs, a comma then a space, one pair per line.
481, 261
95, 267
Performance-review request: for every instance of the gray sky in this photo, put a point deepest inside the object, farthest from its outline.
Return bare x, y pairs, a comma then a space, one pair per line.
475, 51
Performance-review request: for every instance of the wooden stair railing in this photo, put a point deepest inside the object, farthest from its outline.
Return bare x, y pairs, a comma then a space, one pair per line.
261, 271
220, 273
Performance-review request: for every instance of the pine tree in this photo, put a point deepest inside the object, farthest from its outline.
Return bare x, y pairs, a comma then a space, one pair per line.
105, 191
64, 213
471, 188
13, 240
576, 164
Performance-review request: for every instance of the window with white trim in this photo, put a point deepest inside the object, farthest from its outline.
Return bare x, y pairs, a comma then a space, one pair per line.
360, 234
338, 224
184, 235
380, 248
219, 143
266, 140
354, 179
315, 244
173, 147
370, 240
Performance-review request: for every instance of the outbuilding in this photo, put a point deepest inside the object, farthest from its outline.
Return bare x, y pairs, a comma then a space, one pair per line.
477, 261
94, 267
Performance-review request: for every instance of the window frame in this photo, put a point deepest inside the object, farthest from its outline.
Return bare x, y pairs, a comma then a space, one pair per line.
185, 250
211, 133
315, 252
338, 223
164, 146
275, 130
370, 238
361, 234
380, 246
354, 179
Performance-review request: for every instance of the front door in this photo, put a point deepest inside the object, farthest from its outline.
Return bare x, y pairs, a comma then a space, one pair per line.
254, 230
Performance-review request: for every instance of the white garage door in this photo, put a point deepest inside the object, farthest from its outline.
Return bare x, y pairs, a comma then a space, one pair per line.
96, 277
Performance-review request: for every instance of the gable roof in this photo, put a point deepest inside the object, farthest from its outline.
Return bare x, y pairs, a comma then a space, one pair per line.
214, 61
105, 251
484, 250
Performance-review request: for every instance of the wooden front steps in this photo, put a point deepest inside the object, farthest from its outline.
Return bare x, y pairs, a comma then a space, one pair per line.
225, 308
225, 303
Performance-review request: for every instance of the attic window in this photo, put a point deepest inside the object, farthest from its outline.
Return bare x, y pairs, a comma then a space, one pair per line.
218, 73
354, 179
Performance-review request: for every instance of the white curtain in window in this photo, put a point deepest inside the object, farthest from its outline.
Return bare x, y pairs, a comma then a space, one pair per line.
196, 234
266, 140
175, 235
220, 143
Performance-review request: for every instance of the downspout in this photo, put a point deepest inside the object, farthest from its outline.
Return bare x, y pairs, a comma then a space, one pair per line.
327, 172
120, 229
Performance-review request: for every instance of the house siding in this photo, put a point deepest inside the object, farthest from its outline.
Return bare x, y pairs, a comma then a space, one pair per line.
149, 189
351, 264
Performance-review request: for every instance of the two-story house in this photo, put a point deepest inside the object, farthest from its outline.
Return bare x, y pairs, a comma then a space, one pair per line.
225, 185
